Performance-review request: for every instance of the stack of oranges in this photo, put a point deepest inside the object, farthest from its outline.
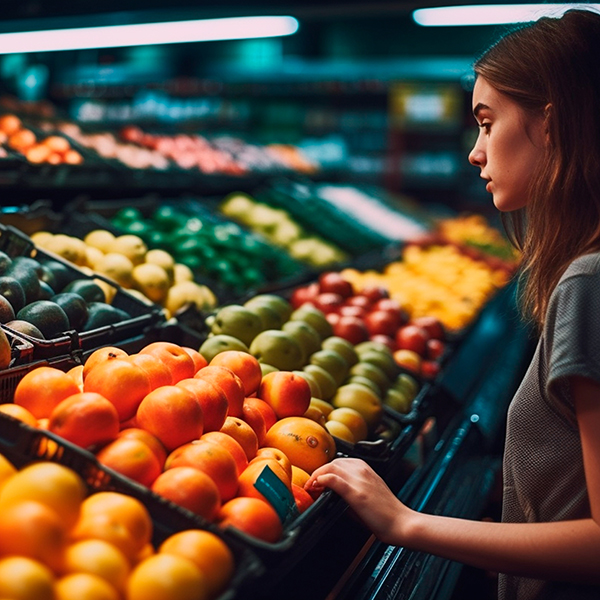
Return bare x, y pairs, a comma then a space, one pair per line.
59, 543
198, 433
53, 149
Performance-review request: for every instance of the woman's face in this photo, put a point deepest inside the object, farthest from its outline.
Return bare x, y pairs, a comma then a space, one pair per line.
509, 146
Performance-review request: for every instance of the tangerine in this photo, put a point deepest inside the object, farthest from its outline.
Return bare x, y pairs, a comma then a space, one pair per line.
256, 404
244, 365
84, 586
19, 412
158, 373
286, 392
230, 444
227, 381
211, 399
178, 361
148, 438
241, 431
199, 361
253, 516
23, 578
100, 356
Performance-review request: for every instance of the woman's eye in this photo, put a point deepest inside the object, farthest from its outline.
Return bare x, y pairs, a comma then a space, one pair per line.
485, 126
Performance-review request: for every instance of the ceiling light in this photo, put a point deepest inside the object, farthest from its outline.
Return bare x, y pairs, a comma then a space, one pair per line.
176, 32
491, 14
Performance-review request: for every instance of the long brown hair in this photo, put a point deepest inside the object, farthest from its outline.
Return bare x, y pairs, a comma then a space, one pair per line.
551, 67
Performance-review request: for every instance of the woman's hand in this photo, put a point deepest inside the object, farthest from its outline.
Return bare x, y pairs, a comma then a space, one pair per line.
367, 494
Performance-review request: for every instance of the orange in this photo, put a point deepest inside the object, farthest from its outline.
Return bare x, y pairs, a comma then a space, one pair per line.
76, 373
305, 443
172, 414
72, 157
100, 558
158, 373
7, 470
100, 356
85, 419
212, 400
208, 551
213, 460
299, 476
239, 430
34, 530
278, 455
227, 381
22, 139
230, 444
199, 361
167, 577
19, 412
178, 361
253, 516
10, 123
244, 365
42, 389
254, 470
57, 143
84, 586
121, 382
286, 392
132, 458
303, 499
254, 403
255, 418
116, 518
352, 419
148, 438
191, 488
58, 487
23, 578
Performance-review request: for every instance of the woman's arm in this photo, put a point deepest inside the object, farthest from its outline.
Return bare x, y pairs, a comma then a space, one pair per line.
567, 550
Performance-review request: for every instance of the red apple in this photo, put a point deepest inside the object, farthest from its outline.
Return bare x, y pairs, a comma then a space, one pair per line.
382, 321
435, 349
411, 337
430, 369
348, 310
333, 318
333, 282
386, 340
328, 302
393, 306
303, 294
358, 300
352, 329
432, 325
375, 292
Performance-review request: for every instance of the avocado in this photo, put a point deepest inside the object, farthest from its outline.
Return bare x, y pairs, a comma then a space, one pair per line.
101, 314
26, 328
6, 310
26, 275
46, 292
5, 262
87, 289
57, 274
47, 316
75, 308
12, 290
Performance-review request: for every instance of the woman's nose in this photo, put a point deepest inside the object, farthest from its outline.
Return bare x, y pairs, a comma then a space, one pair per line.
477, 157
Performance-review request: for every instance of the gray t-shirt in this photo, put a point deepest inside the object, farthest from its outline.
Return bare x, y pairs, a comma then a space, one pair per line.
543, 465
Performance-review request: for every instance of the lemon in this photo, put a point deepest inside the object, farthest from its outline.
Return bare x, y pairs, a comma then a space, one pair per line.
93, 256
117, 267
189, 292
152, 280
132, 246
162, 259
182, 273
68, 247
100, 239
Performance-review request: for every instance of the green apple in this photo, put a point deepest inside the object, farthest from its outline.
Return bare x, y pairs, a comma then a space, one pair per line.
370, 345
362, 399
314, 317
315, 388
286, 232
333, 362
277, 348
406, 383
326, 382
266, 368
362, 380
277, 303
373, 372
305, 334
238, 321
343, 347
214, 344
237, 206
398, 400
269, 317
382, 360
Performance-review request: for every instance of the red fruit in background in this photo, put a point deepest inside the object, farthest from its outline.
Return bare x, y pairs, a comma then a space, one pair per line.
389, 341
375, 293
333, 282
432, 325
359, 300
333, 318
435, 349
430, 369
303, 294
411, 337
393, 306
382, 322
409, 360
352, 329
349, 310
328, 302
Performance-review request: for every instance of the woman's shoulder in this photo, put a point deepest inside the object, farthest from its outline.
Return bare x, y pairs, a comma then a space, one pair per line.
587, 264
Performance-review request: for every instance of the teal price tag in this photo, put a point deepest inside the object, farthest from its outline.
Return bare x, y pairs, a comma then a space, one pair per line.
278, 495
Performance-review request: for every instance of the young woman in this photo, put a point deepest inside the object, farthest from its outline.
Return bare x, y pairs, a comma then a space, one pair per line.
537, 102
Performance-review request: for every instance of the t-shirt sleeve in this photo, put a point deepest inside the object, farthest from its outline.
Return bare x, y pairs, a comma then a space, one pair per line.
574, 316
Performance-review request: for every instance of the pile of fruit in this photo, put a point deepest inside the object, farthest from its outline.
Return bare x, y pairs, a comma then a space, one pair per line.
152, 275
60, 542
281, 229
43, 298
363, 376
51, 149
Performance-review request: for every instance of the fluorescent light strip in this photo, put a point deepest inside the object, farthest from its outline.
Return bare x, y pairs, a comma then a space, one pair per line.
491, 14
176, 32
